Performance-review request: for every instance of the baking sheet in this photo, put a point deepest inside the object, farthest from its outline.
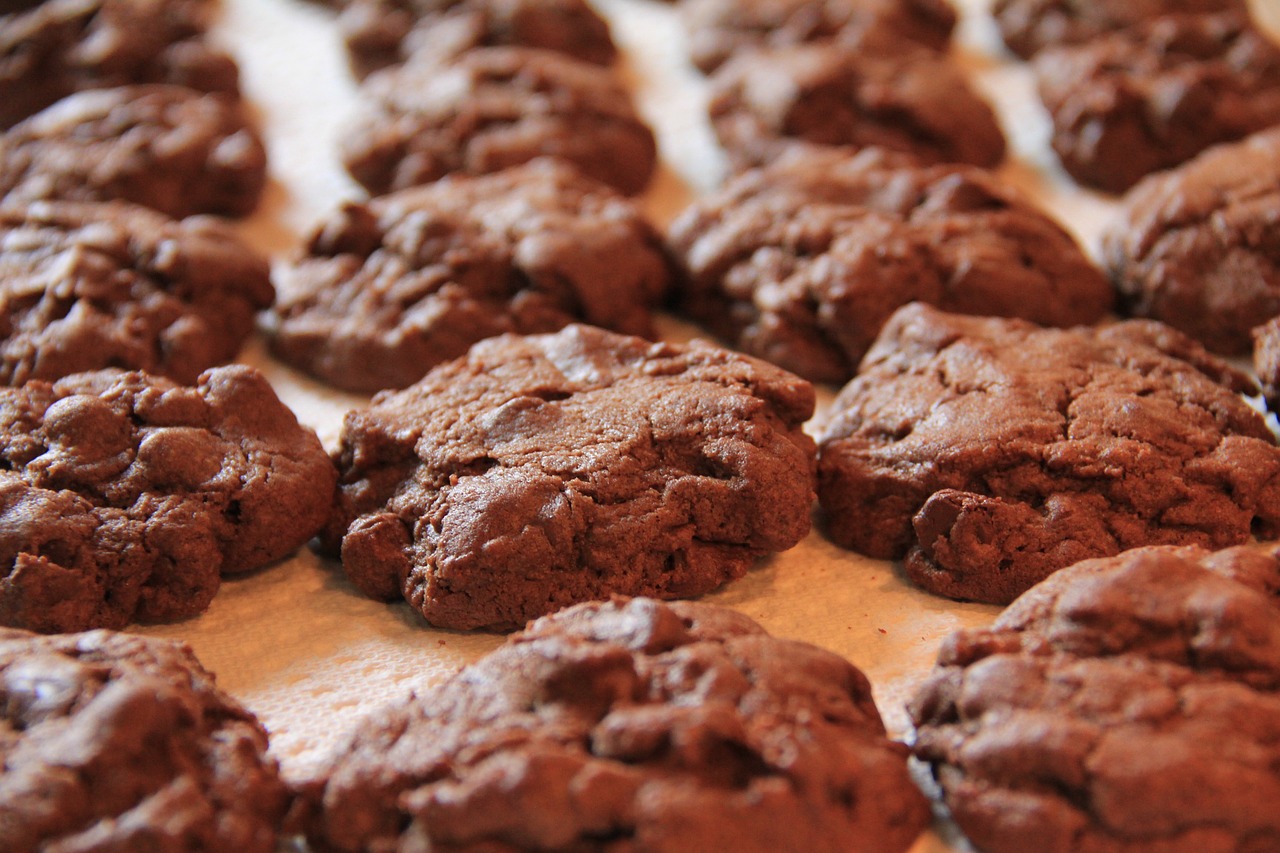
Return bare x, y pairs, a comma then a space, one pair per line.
300, 646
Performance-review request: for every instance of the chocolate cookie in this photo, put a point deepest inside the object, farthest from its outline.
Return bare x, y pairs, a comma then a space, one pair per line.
992, 452
113, 742
64, 46
1156, 94
124, 496
628, 725
387, 32
1197, 246
717, 29
546, 470
1266, 361
801, 262
1126, 704
763, 102
492, 108
391, 287
170, 148
1028, 25
85, 286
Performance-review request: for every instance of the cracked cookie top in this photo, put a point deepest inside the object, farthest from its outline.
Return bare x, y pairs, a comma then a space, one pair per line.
125, 497
991, 452
1129, 704
1029, 25
541, 471
630, 724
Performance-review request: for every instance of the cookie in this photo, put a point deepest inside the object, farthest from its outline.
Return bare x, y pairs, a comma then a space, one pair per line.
115, 742
63, 46
1197, 246
1126, 704
801, 262
763, 102
125, 497
492, 108
717, 29
86, 286
546, 470
991, 452
1026, 26
391, 287
629, 724
1266, 361
170, 148
1156, 94
380, 33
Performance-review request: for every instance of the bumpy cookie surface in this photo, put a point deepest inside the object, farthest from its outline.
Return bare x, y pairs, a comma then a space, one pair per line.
64, 46
719, 28
387, 32
546, 470
992, 452
170, 148
492, 108
1128, 704
629, 725
125, 497
1029, 25
391, 287
1156, 94
114, 742
1266, 361
801, 262
764, 101
1197, 246
87, 286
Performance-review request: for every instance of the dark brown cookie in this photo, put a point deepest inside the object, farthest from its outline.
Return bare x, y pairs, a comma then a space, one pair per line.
387, 32
764, 101
86, 286
1128, 704
64, 46
392, 287
1156, 94
801, 262
113, 742
170, 148
492, 108
628, 725
1266, 361
125, 496
546, 470
992, 452
1197, 246
717, 29
1029, 25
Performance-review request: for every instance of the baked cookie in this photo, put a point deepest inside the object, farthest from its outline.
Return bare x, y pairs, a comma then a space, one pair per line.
1028, 25
170, 148
1127, 704
628, 725
125, 497
1197, 246
391, 287
379, 33
1156, 94
763, 102
717, 29
85, 286
1266, 361
991, 452
492, 108
63, 46
802, 261
116, 742
547, 470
